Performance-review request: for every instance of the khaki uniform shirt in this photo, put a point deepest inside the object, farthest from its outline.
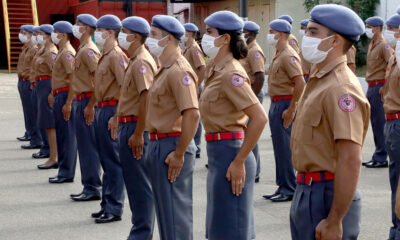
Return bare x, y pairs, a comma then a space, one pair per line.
20, 64
85, 65
34, 65
293, 43
174, 90
254, 62
194, 55
63, 66
30, 53
138, 77
110, 73
284, 67
351, 55
391, 89
333, 107
227, 92
378, 56
43, 63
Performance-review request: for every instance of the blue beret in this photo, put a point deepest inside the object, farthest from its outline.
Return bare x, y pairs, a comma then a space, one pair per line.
190, 27
304, 22
22, 27
339, 19
374, 21
109, 22
29, 28
169, 24
47, 28
225, 20
87, 19
287, 18
63, 27
251, 26
394, 21
280, 25
137, 24
36, 29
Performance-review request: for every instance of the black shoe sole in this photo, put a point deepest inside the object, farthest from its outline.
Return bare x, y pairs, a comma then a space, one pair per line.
94, 198
98, 221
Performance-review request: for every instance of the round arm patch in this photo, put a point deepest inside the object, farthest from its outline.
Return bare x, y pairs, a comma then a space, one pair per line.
347, 103
237, 80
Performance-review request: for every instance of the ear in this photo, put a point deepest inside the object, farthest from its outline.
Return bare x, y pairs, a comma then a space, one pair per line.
226, 38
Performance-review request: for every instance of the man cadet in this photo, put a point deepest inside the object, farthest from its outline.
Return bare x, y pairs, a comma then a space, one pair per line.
83, 85
392, 27
108, 80
328, 133
378, 56
285, 86
254, 64
21, 83
172, 119
61, 100
351, 58
36, 139
305, 66
391, 105
133, 139
292, 39
195, 57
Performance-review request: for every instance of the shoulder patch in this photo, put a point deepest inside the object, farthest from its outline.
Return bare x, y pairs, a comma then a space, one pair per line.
237, 80
187, 80
91, 53
293, 60
387, 47
68, 57
143, 69
197, 53
53, 56
293, 42
347, 103
122, 62
257, 55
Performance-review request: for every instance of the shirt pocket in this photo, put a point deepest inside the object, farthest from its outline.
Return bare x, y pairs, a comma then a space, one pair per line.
311, 128
159, 96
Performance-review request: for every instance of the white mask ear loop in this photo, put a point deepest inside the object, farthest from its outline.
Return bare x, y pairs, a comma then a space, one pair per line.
330, 49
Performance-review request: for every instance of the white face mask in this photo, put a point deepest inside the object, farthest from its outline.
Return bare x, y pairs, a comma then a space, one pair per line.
302, 32
397, 53
40, 39
34, 40
54, 38
153, 46
208, 46
369, 33
389, 36
98, 37
22, 37
122, 40
75, 31
271, 40
310, 51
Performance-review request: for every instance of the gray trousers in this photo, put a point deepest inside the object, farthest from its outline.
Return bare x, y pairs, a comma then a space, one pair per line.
311, 204
256, 154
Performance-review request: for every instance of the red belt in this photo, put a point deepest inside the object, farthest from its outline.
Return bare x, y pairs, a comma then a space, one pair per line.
42, 78
278, 98
156, 136
84, 95
224, 136
308, 178
57, 91
33, 84
19, 76
392, 116
307, 75
126, 119
26, 79
107, 103
377, 82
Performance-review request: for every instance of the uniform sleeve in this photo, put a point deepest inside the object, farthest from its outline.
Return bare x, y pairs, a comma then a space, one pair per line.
387, 52
238, 90
50, 59
348, 114
68, 60
351, 56
197, 57
256, 60
292, 66
184, 89
293, 43
119, 63
143, 76
91, 58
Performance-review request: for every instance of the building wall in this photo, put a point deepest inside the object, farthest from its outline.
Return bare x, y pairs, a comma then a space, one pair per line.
387, 8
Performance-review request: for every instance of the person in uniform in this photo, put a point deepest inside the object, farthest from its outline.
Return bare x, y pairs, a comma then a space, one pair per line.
285, 86
133, 139
392, 27
195, 57
43, 65
291, 39
172, 120
305, 66
391, 105
330, 127
83, 86
254, 64
109, 77
351, 58
44, 151
61, 100
379, 52
36, 140
21, 83
226, 105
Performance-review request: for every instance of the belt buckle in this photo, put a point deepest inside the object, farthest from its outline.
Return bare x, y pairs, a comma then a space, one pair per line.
124, 119
218, 136
309, 184
397, 116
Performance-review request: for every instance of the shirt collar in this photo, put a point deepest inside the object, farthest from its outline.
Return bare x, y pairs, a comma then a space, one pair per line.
222, 63
110, 47
172, 59
327, 68
139, 50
